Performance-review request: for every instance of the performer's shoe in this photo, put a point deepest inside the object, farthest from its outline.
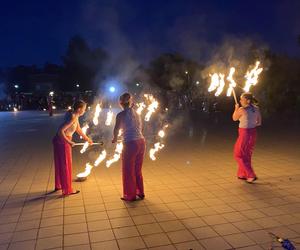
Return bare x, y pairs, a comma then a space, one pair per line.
141, 196
76, 192
242, 178
251, 180
123, 199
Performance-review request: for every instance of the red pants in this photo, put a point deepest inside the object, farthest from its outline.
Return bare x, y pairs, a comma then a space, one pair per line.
243, 150
63, 165
132, 161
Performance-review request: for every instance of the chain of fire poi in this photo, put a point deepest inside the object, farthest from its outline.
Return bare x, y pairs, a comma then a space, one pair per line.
151, 106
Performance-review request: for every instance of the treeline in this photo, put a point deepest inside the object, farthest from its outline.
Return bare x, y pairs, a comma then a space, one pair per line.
172, 74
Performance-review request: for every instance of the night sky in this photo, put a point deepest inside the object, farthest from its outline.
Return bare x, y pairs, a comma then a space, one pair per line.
35, 32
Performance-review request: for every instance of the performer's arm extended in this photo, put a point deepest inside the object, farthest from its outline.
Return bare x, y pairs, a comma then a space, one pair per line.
116, 129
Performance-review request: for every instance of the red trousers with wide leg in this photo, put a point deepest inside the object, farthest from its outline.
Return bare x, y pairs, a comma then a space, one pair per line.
63, 165
132, 161
243, 150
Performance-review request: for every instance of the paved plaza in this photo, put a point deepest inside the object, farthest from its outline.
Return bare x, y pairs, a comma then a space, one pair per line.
193, 199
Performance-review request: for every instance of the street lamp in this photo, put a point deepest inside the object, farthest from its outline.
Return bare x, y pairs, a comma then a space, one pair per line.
77, 85
16, 86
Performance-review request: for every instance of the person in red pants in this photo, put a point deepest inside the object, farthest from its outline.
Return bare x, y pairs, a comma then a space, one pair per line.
133, 149
62, 147
249, 118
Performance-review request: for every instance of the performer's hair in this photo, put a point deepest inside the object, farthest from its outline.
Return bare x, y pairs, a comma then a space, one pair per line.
249, 96
78, 104
125, 99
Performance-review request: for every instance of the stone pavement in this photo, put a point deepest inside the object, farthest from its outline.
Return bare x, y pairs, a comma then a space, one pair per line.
193, 200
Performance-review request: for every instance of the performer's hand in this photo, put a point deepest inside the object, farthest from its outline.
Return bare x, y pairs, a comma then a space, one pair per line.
114, 140
72, 143
237, 106
90, 141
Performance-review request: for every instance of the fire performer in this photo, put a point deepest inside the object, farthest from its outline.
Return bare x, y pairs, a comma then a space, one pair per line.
62, 145
249, 117
133, 149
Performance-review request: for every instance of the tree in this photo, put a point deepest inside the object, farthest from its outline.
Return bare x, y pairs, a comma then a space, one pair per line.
81, 64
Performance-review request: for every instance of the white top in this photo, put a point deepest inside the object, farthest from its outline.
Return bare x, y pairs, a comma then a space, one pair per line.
250, 118
131, 125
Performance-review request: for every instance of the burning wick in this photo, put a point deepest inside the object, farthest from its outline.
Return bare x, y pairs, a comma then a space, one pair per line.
232, 84
109, 118
116, 156
87, 171
157, 146
84, 129
141, 106
152, 107
100, 158
221, 84
84, 148
96, 115
252, 76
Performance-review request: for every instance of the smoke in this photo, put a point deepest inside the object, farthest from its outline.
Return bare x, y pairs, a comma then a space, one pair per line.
235, 52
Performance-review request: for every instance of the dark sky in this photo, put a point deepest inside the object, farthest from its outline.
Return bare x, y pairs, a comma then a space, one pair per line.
33, 32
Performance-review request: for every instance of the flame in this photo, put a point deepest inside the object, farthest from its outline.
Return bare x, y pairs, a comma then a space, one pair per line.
157, 146
116, 156
232, 83
161, 133
109, 118
69, 107
84, 129
214, 83
152, 107
100, 158
96, 115
252, 76
53, 107
221, 84
87, 171
84, 147
140, 108
15, 109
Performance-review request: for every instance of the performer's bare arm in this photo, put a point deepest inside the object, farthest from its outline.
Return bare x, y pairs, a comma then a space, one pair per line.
238, 112
116, 129
259, 119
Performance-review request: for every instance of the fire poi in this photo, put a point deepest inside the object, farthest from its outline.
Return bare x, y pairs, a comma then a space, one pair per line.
151, 106
218, 81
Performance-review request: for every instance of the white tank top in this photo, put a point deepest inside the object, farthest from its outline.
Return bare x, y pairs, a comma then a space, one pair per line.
250, 117
131, 125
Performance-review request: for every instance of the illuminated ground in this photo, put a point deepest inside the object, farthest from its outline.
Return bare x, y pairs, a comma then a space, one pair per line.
193, 200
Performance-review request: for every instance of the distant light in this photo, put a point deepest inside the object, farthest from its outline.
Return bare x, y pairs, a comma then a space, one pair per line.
166, 109
15, 109
51, 93
197, 83
16, 86
186, 72
77, 85
53, 107
89, 107
112, 89
44, 109
69, 108
137, 84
